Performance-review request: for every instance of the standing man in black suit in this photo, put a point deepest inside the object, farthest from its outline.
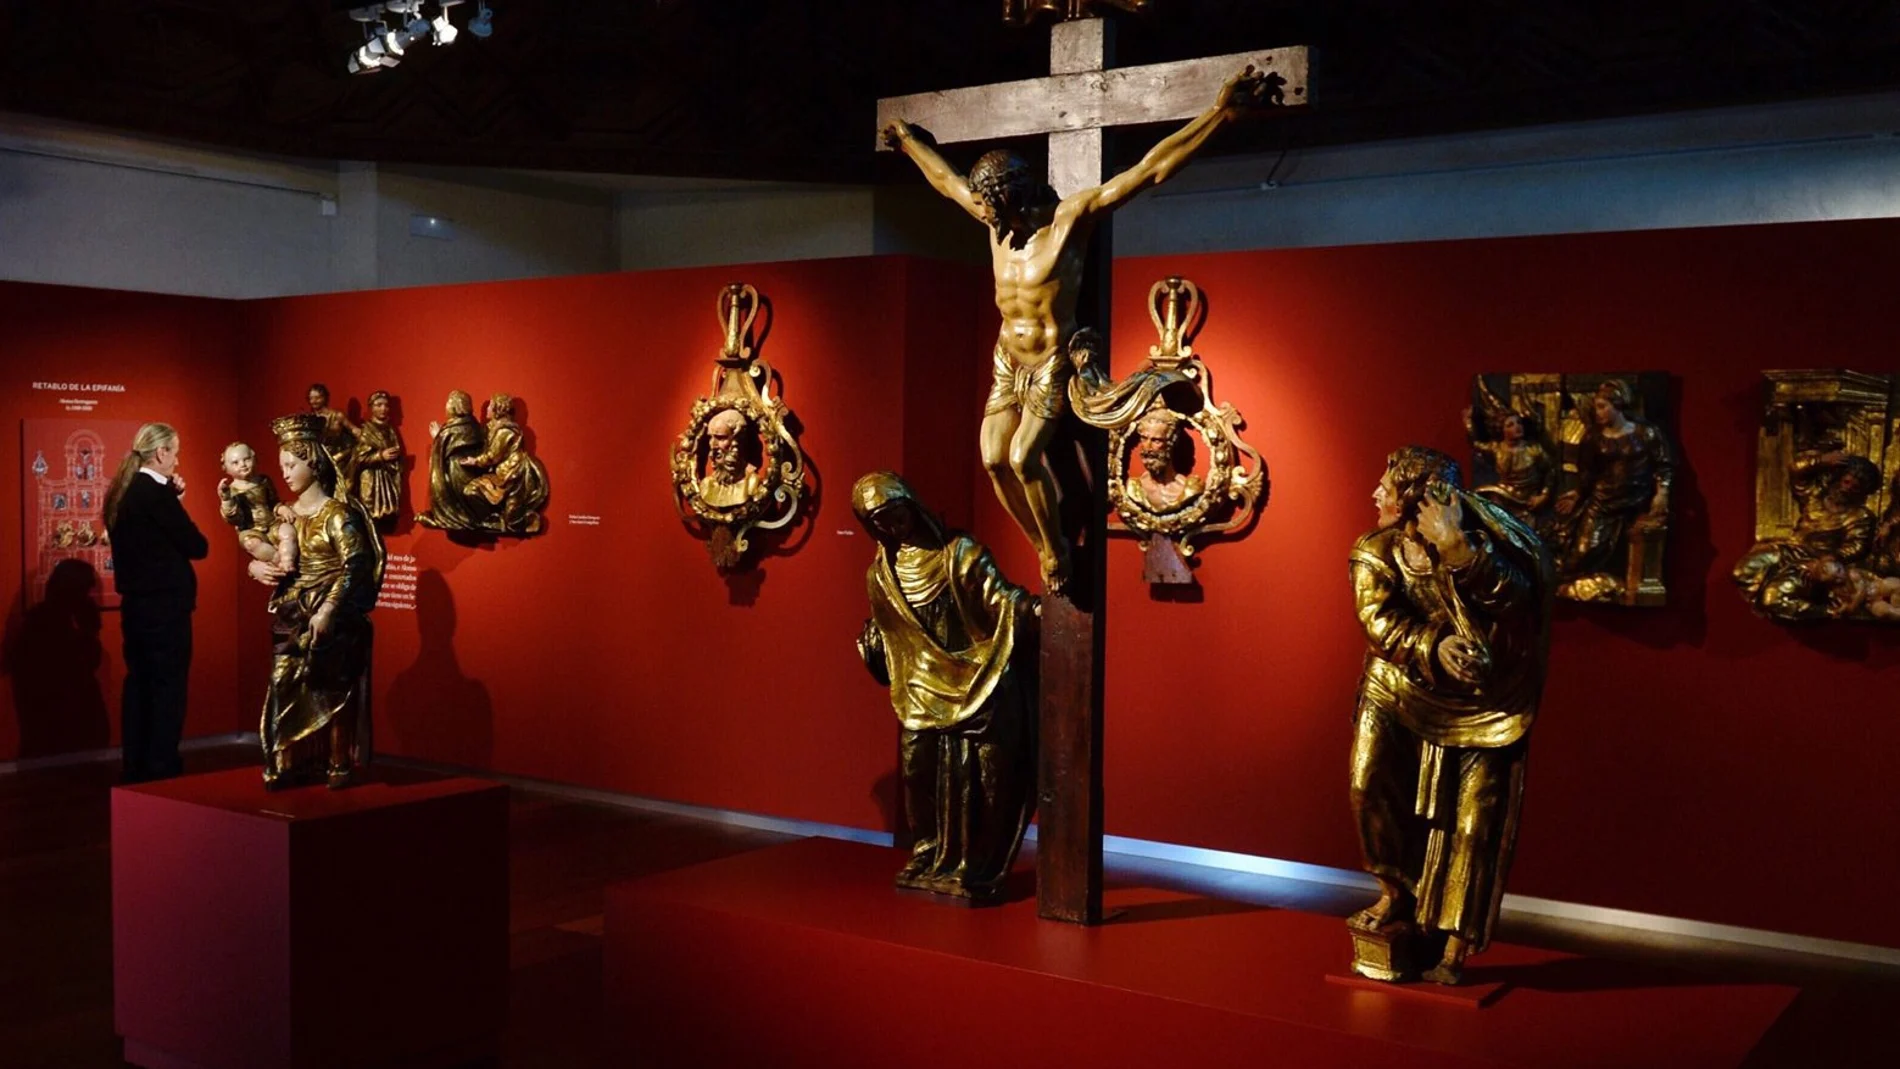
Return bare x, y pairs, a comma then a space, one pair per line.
153, 545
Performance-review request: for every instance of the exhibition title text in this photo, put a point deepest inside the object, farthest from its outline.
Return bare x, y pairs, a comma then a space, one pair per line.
81, 387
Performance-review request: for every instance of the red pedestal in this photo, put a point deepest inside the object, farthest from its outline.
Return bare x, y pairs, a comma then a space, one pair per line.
309, 928
802, 955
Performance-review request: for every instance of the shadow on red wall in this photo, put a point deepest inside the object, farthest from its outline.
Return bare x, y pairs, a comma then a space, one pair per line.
432, 697
53, 655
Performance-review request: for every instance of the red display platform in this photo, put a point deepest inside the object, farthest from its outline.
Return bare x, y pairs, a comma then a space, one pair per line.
803, 955
309, 928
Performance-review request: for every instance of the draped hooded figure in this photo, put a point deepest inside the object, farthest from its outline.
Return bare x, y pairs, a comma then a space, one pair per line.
954, 640
1453, 593
456, 438
316, 712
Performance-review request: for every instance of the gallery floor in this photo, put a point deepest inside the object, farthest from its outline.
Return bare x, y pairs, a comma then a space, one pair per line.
56, 953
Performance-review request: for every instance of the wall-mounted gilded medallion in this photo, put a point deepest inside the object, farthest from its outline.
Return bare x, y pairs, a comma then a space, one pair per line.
1587, 461
737, 467
1159, 418
1827, 499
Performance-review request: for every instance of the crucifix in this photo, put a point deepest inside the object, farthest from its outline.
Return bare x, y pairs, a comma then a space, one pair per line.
1041, 253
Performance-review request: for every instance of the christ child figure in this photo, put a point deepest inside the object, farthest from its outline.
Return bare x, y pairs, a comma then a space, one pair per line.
267, 530
1854, 591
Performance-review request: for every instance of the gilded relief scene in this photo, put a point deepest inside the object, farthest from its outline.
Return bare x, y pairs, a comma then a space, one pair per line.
1587, 461
1827, 503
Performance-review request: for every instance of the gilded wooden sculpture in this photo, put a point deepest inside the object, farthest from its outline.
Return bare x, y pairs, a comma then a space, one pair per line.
1149, 416
1039, 267
737, 467
1827, 499
316, 720
1038, 245
482, 479
1454, 594
954, 640
247, 500
1585, 460
379, 461
339, 437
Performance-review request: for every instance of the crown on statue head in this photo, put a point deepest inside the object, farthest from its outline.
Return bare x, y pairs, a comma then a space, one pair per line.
302, 427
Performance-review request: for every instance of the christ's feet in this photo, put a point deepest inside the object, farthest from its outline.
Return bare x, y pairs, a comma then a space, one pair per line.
1055, 569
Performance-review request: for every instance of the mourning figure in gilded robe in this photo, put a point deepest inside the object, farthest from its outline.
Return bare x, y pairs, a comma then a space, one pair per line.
315, 725
955, 642
1454, 595
379, 461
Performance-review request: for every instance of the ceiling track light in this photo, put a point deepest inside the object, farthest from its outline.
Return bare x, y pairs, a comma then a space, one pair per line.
389, 29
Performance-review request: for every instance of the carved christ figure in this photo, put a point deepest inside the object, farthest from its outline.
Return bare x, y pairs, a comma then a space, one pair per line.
1038, 245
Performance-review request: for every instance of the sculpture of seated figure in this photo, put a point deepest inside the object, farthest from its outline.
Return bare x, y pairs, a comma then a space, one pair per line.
512, 483
1793, 578
1624, 471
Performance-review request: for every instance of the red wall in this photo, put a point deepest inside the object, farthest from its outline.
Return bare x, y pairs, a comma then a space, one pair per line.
1692, 761
176, 359
614, 655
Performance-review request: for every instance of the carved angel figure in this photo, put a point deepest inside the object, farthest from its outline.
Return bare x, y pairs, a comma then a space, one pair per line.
1513, 442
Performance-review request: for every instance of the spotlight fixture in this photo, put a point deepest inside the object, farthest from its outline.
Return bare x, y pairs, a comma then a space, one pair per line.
389, 29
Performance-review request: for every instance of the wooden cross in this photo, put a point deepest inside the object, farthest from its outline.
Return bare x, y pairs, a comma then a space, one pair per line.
1075, 106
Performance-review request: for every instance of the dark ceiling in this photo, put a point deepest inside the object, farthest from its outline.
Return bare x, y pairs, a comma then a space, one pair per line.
784, 89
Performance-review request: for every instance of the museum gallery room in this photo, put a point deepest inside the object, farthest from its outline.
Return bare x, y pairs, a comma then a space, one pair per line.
994, 532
